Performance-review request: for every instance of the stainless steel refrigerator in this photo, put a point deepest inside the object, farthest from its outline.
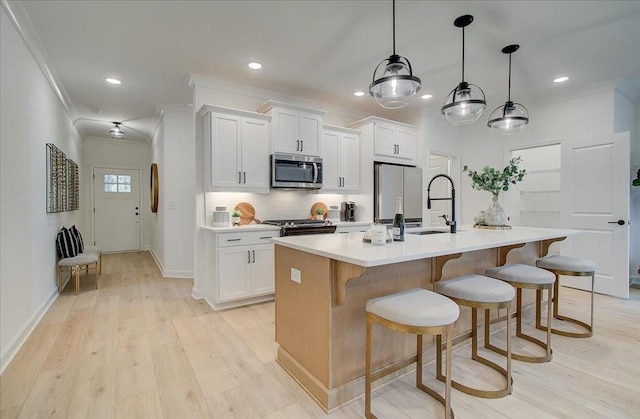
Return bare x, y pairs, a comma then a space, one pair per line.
391, 181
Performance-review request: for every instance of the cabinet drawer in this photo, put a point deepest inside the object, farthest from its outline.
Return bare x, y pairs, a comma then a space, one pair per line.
246, 238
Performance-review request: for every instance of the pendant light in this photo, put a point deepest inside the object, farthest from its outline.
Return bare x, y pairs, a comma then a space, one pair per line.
466, 101
511, 117
116, 131
394, 85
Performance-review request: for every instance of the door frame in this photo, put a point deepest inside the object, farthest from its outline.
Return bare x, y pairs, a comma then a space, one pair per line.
92, 210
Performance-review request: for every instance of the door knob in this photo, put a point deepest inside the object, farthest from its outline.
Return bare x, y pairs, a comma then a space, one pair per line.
619, 222
136, 213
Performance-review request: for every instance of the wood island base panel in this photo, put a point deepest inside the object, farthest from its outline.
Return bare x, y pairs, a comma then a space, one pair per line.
320, 303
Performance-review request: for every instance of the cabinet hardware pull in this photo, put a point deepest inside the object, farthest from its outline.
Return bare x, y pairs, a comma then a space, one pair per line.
239, 177
254, 256
248, 256
233, 240
244, 177
265, 237
297, 145
301, 145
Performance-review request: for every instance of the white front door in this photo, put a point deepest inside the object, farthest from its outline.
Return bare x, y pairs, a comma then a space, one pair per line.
595, 187
116, 220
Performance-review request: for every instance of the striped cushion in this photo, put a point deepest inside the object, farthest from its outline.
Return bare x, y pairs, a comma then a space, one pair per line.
66, 244
78, 238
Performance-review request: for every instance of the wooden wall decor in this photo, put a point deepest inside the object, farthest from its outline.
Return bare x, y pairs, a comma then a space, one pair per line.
154, 187
73, 184
56, 179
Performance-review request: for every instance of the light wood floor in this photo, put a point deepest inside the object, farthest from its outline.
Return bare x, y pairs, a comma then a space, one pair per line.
140, 346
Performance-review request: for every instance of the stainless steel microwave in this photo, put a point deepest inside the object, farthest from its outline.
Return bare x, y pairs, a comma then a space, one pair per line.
293, 171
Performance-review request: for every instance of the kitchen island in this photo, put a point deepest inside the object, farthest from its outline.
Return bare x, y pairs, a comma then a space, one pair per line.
324, 281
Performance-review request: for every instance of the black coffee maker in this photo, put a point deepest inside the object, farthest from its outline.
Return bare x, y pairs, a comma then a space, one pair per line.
348, 211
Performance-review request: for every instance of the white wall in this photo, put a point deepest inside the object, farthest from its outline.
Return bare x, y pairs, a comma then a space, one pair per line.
634, 256
587, 116
31, 116
119, 154
173, 226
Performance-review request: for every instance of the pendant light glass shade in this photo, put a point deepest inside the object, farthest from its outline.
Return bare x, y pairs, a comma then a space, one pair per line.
510, 118
393, 83
466, 102
116, 131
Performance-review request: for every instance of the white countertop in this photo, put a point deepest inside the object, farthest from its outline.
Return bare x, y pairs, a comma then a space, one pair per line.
350, 248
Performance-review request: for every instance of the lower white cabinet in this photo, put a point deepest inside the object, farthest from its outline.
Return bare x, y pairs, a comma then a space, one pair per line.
241, 268
245, 271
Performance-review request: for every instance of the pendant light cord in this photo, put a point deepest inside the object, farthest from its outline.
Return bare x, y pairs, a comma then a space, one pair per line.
509, 89
463, 54
394, 27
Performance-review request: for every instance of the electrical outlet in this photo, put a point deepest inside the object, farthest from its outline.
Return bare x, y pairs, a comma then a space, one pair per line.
296, 276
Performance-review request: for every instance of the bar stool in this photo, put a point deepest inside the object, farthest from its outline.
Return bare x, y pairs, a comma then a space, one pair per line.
477, 291
569, 266
527, 277
418, 312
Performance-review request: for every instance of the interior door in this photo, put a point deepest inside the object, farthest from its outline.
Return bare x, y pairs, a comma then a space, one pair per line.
116, 220
595, 187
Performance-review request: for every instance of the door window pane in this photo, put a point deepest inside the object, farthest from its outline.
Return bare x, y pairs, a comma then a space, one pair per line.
117, 183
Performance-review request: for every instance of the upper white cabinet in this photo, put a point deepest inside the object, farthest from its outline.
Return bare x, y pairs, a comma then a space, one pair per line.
237, 150
294, 130
340, 159
393, 142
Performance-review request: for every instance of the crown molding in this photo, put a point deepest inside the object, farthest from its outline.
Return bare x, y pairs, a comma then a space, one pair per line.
25, 28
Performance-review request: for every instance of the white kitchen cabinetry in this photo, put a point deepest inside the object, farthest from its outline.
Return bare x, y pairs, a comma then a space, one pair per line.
340, 160
237, 150
242, 269
393, 142
294, 130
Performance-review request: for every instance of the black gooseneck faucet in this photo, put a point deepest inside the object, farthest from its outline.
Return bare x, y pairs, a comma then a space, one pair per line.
451, 223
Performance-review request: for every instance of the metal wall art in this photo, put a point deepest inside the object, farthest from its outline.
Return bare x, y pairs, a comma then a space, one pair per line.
63, 182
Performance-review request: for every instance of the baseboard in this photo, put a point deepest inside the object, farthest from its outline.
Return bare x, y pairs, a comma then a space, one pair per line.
170, 274
28, 328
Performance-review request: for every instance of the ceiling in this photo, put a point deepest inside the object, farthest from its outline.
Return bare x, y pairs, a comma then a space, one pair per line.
323, 50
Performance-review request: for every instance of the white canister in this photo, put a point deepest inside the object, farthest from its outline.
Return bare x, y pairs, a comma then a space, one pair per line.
378, 234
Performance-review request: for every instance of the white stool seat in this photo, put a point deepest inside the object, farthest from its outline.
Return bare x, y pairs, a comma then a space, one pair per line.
81, 259
521, 273
476, 288
566, 263
417, 307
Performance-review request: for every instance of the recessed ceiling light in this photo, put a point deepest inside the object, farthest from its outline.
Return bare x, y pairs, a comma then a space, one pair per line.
112, 81
358, 93
254, 66
561, 79
425, 97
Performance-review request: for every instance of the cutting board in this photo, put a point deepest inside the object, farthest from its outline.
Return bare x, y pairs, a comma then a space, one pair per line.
322, 205
248, 213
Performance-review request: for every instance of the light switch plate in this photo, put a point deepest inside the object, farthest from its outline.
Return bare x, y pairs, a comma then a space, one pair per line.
296, 275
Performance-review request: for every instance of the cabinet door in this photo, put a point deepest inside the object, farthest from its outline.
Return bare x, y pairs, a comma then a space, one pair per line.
310, 130
255, 153
225, 150
234, 273
285, 131
262, 269
384, 142
405, 138
330, 173
349, 158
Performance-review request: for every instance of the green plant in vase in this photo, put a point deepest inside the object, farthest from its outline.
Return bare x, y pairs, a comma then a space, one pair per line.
235, 217
319, 213
495, 181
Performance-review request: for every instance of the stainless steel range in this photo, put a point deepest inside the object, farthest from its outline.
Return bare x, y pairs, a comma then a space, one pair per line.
302, 227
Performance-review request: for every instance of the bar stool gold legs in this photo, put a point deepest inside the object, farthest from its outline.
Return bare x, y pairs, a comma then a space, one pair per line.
587, 327
419, 312
506, 373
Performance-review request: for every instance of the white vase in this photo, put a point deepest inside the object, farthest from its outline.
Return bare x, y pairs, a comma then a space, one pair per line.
494, 215
235, 221
319, 216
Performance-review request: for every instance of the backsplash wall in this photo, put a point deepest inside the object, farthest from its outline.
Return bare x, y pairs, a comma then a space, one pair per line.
278, 204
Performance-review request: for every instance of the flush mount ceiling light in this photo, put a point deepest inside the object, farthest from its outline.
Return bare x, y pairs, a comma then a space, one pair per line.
511, 117
561, 79
393, 83
466, 101
254, 66
426, 97
112, 81
116, 131
358, 93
